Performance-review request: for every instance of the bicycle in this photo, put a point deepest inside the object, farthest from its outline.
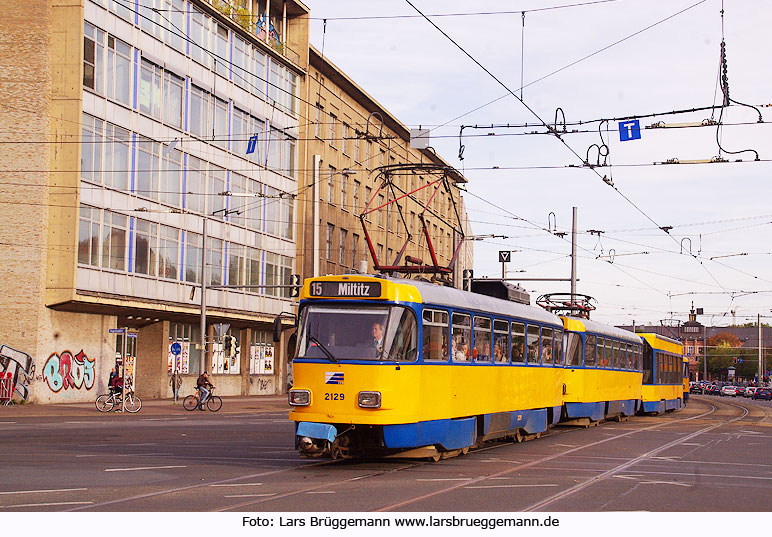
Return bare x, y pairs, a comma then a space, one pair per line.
193, 401
109, 401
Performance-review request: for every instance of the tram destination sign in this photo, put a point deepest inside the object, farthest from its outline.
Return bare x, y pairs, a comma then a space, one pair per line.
346, 289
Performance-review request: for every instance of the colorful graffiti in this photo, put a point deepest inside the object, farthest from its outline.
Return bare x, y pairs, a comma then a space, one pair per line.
18, 365
65, 371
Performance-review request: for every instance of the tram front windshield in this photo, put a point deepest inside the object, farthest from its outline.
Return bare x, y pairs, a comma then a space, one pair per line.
360, 332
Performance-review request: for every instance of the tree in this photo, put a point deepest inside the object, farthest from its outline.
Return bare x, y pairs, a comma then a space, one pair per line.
724, 339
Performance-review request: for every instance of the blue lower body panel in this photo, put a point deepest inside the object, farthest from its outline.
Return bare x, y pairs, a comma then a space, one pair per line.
594, 411
450, 434
654, 406
625, 408
531, 421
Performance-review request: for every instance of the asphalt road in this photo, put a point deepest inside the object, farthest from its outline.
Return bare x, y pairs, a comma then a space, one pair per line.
715, 455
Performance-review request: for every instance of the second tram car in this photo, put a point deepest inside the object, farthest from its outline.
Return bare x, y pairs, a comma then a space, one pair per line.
662, 385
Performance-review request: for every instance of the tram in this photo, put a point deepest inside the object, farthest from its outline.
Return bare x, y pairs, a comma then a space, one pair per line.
663, 386
395, 367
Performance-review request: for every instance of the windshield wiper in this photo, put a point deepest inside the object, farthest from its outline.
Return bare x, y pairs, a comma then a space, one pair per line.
322, 348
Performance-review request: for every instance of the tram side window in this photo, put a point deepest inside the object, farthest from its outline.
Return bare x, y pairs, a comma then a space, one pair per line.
532, 344
500, 341
482, 339
630, 357
640, 358
608, 354
660, 361
404, 341
589, 350
546, 346
559, 348
648, 365
462, 334
435, 343
615, 353
601, 352
518, 343
573, 349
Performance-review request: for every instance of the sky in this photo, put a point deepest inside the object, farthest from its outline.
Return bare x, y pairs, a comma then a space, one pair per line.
595, 60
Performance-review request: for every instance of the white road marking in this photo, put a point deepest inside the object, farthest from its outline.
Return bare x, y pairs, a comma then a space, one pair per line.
447, 479
83, 456
251, 495
142, 468
237, 485
7, 422
43, 504
565, 445
321, 492
510, 486
39, 491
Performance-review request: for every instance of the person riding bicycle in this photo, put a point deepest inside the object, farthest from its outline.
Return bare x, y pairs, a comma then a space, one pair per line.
204, 385
116, 384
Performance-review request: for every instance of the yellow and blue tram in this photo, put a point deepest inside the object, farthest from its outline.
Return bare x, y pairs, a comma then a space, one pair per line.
662, 385
387, 366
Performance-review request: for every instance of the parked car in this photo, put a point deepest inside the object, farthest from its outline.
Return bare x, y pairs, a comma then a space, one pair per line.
695, 387
712, 389
763, 393
749, 391
728, 390
740, 390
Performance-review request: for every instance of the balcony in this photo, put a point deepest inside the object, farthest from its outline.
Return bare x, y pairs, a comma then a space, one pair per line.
259, 25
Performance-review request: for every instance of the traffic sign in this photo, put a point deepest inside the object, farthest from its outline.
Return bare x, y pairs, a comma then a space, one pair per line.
629, 130
117, 331
504, 256
176, 349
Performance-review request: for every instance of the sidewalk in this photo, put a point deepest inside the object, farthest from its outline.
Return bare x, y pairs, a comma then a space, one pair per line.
151, 407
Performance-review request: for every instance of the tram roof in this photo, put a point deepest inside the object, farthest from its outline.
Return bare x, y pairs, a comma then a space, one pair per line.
456, 298
604, 329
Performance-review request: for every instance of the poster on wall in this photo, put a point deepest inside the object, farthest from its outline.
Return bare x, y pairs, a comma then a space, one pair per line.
130, 374
253, 359
217, 359
268, 368
261, 359
182, 361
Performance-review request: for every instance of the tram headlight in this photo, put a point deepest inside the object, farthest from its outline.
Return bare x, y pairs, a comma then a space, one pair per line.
370, 399
299, 397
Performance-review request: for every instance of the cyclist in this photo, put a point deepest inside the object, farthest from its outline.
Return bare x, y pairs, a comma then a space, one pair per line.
204, 385
116, 385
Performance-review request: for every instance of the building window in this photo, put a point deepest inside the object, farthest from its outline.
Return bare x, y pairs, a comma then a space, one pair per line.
93, 53
198, 118
173, 99
193, 257
148, 168
118, 70
214, 260
344, 139
114, 241
331, 185
356, 150
342, 247
168, 252
221, 49
195, 197
188, 337
274, 149
171, 178
236, 264
252, 273
117, 163
216, 185
240, 133
91, 153
238, 187
355, 201
257, 70
199, 36
240, 62
277, 272
88, 236
150, 89
333, 140
221, 123
381, 210
145, 250
330, 232
343, 197
318, 121
354, 250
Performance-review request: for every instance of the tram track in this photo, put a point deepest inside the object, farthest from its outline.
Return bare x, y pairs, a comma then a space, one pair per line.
708, 420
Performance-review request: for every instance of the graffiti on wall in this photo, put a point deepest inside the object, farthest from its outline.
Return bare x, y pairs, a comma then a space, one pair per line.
17, 366
65, 371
